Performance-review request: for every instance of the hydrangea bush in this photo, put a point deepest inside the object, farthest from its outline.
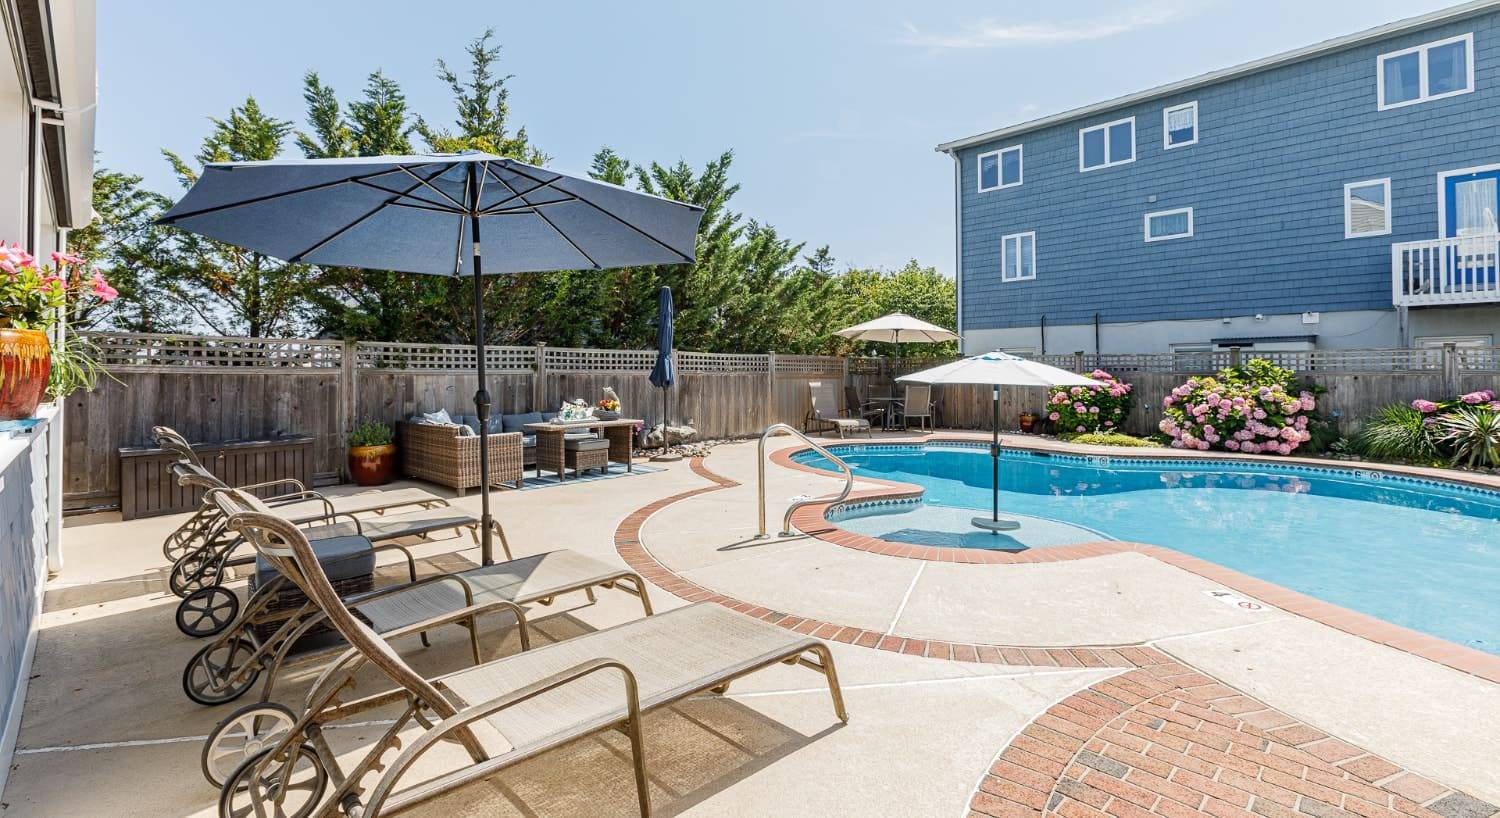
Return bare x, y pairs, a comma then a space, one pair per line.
1086, 409
1257, 407
1483, 399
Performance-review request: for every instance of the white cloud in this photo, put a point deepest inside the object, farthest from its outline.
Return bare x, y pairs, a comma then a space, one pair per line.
990, 32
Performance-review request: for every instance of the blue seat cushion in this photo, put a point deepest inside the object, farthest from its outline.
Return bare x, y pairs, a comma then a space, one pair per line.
341, 557
548, 417
517, 422
471, 422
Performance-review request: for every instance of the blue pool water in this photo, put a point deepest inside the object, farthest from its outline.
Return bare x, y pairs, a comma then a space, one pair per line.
1422, 554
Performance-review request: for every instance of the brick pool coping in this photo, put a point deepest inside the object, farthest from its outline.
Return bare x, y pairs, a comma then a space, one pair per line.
812, 520
1157, 740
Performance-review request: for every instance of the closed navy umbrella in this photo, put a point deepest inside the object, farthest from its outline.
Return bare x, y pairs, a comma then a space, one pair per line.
664, 374
425, 214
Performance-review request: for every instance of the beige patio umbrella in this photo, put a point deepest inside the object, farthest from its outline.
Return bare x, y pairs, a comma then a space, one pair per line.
996, 369
898, 328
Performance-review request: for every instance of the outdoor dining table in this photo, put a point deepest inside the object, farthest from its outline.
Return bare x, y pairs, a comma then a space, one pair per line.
550, 442
888, 420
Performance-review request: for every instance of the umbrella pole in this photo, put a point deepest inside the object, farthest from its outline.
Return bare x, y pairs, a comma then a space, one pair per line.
481, 395
995, 460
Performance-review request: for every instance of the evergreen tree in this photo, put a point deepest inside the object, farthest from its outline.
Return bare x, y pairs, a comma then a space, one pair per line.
232, 290
122, 243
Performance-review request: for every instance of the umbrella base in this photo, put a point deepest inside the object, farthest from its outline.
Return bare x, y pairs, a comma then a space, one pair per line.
995, 525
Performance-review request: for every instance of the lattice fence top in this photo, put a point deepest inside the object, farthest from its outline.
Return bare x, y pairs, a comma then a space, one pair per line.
804, 364
1478, 359
147, 351
564, 359
1318, 360
442, 357
710, 363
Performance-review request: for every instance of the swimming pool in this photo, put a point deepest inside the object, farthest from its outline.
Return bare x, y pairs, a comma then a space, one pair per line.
1419, 553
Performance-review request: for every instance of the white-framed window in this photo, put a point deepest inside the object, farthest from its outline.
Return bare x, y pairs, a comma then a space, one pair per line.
1179, 125
1169, 224
1107, 145
1367, 208
1423, 73
1000, 169
1018, 256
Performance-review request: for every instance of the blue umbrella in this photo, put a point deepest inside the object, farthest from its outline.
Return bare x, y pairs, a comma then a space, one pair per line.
664, 374
424, 214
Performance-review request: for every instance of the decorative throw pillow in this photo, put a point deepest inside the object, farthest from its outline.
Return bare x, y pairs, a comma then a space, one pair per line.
438, 418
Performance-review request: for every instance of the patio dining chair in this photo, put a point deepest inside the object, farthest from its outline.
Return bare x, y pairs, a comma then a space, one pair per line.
871, 411
917, 404
501, 712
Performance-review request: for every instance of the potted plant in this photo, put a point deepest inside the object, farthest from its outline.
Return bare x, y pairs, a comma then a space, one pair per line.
1028, 422
372, 454
607, 409
33, 299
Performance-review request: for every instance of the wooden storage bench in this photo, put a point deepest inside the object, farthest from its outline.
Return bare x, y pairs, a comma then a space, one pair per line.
148, 490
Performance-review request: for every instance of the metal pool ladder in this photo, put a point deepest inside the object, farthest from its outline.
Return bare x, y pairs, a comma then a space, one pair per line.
760, 460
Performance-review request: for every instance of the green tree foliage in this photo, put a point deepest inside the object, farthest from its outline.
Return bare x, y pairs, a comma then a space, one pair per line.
122, 243
231, 290
750, 289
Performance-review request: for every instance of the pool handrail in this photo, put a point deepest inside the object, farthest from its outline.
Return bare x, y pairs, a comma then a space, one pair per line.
760, 460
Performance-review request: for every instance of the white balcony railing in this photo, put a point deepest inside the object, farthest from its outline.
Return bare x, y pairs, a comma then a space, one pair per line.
1456, 270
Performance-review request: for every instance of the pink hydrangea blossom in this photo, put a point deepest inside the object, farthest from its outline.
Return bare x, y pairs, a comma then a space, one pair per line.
1426, 407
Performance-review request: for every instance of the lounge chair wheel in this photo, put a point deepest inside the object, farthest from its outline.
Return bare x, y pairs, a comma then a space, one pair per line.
195, 570
205, 680
207, 611
285, 788
247, 732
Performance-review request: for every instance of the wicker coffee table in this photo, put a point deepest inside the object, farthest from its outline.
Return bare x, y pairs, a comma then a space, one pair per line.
552, 456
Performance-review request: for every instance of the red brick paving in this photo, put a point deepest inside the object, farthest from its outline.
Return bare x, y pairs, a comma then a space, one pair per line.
1165, 741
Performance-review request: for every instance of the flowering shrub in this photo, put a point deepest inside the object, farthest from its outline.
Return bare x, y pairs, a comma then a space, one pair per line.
1085, 409
32, 295
1255, 408
1484, 398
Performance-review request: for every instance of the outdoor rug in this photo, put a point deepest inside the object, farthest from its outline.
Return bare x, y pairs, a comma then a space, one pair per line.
615, 470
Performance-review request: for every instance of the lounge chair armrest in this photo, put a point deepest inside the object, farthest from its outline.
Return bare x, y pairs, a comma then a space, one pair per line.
285, 481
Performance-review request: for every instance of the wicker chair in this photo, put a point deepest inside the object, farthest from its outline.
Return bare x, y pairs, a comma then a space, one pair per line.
437, 454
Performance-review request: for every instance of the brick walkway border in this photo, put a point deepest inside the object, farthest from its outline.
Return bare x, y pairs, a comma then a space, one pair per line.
813, 521
1165, 741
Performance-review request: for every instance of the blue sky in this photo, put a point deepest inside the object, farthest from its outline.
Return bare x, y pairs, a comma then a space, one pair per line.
832, 108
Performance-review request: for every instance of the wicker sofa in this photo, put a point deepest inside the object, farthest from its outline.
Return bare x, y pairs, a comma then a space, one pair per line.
440, 455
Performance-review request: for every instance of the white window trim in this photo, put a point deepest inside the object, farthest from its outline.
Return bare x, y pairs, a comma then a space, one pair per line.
1005, 262
1442, 191
1422, 95
1389, 209
1166, 136
999, 168
1108, 163
1146, 224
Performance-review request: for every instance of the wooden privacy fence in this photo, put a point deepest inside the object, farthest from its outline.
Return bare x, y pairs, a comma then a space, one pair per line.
217, 389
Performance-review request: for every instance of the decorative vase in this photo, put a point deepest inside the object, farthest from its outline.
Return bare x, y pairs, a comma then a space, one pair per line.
25, 363
372, 465
1028, 422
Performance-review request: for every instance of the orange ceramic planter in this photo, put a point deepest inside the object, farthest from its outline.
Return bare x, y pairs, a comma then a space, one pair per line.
372, 465
25, 363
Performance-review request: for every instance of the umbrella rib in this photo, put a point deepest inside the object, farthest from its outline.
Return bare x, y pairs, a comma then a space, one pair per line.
427, 183
543, 217
270, 196
351, 225
515, 194
685, 258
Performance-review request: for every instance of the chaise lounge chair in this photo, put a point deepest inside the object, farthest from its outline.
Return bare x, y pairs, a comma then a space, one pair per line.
824, 413
501, 712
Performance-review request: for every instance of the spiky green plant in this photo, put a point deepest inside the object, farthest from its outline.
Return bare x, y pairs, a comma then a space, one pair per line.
1397, 432
1473, 435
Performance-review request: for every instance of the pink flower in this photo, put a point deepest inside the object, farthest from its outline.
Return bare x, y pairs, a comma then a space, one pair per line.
102, 289
1232, 445
1424, 406
1082, 429
1053, 416
1109, 423
1093, 410
1476, 397
63, 259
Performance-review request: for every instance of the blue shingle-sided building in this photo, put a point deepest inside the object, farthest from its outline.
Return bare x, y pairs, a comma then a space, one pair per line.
1340, 195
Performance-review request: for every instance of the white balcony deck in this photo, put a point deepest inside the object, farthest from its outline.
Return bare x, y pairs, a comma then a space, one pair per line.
1447, 271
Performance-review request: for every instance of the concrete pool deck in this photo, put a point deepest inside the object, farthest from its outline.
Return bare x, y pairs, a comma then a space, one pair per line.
1010, 690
